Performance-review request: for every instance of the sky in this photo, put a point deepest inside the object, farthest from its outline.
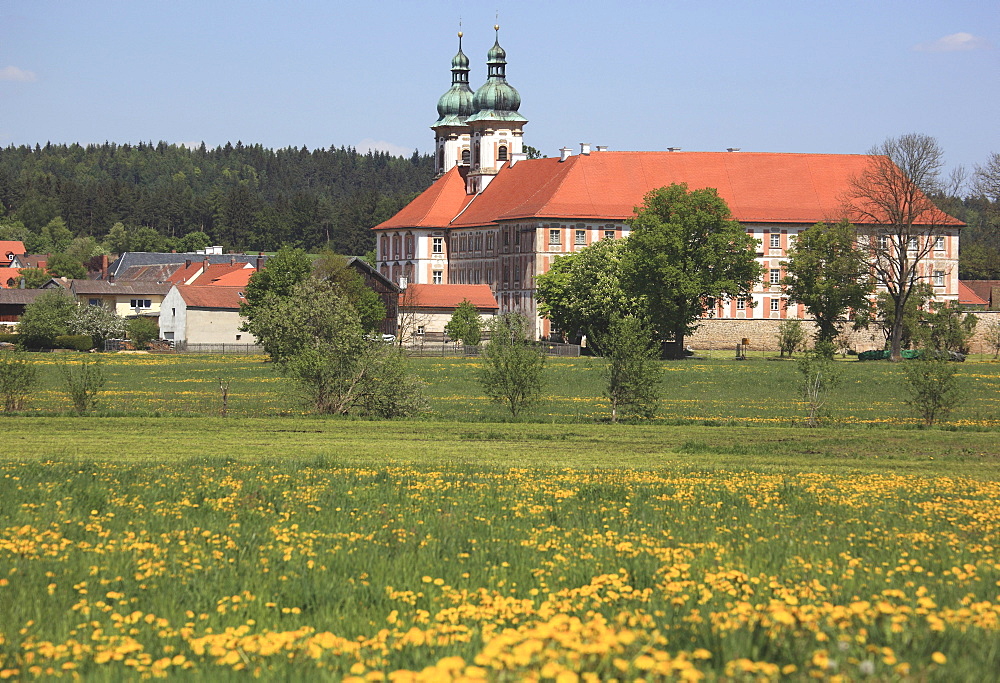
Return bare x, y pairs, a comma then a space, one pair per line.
764, 76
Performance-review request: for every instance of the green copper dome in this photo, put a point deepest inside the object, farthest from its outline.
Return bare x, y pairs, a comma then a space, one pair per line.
496, 100
456, 104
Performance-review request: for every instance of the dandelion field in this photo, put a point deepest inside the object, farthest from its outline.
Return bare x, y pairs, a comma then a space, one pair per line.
163, 540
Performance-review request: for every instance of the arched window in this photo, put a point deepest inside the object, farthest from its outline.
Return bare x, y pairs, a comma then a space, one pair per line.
475, 153
441, 158
502, 153
466, 155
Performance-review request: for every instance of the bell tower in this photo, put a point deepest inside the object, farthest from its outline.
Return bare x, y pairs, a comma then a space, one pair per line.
451, 131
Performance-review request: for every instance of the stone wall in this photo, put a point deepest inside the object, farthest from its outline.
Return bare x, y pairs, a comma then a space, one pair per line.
726, 333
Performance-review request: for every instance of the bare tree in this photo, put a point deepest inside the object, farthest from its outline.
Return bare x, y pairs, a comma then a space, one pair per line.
411, 319
987, 178
899, 224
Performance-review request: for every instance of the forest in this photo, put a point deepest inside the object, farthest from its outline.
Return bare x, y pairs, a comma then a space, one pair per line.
94, 199
149, 197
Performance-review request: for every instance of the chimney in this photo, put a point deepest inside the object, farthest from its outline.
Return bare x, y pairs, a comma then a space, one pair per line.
673, 149
516, 157
564, 154
585, 148
104, 266
260, 261
602, 148
232, 260
732, 149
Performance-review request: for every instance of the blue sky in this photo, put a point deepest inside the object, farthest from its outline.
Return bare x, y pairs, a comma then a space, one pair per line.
770, 76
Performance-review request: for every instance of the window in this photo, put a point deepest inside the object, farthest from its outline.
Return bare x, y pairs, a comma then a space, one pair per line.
775, 304
94, 302
939, 278
502, 153
554, 237
775, 276
140, 304
741, 303
939, 242
580, 238
883, 242
437, 245
466, 155
776, 240
609, 234
238, 337
437, 277
912, 243
420, 329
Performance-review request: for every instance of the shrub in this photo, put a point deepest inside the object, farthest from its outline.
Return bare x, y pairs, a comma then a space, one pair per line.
76, 342
790, 337
10, 338
819, 377
512, 366
933, 385
46, 318
142, 331
83, 382
17, 377
632, 372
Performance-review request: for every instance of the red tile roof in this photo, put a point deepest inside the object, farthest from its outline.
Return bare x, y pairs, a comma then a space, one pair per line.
967, 297
758, 187
9, 274
210, 296
234, 278
14, 247
447, 296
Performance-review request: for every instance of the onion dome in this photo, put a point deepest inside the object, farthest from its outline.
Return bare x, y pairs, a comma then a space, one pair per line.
456, 104
496, 100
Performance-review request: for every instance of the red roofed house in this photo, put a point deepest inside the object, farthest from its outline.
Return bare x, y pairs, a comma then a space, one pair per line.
10, 251
424, 310
203, 314
495, 217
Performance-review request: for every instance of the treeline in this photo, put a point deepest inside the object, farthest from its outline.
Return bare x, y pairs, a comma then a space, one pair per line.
242, 197
979, 243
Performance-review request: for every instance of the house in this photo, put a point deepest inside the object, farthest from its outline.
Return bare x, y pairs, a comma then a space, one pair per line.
987, 291
127, 299
11, 254
162, 267
10, 277
203, 314
495, 217
387, 290
424, 310
12, 304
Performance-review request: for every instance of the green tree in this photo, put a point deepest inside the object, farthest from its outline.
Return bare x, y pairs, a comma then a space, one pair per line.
62, 265
829, 275
685, 249
193, 241
17, 377
511, 373
56, 237
46, 318
933, 386
366, 302
465, 324
277, 280
97, 322
910, 322
83, 381
316, 338
632, 371
582, 292
116, 239
34, 278
946, 328
141, 331
790, 337
991, 337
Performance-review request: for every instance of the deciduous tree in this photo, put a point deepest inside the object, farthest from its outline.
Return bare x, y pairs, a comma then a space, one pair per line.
512, 368
685, 249
632, 370
465, 324
46, 318
891, 197
829, 275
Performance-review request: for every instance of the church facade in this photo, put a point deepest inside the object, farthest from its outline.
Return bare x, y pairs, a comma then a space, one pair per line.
495, 217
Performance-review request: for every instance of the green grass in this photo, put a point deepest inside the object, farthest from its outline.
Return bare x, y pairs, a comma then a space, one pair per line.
713, 391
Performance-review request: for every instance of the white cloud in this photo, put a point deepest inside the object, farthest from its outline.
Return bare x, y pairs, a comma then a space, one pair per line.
383, 146
12, 73
956, 42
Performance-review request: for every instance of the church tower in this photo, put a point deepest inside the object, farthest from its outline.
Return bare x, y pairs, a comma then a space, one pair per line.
451, 132
495, 126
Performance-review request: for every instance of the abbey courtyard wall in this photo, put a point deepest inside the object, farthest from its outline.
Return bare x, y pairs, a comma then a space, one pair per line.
762, 333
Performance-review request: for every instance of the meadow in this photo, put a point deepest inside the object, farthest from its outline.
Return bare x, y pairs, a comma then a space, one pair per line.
156, 538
